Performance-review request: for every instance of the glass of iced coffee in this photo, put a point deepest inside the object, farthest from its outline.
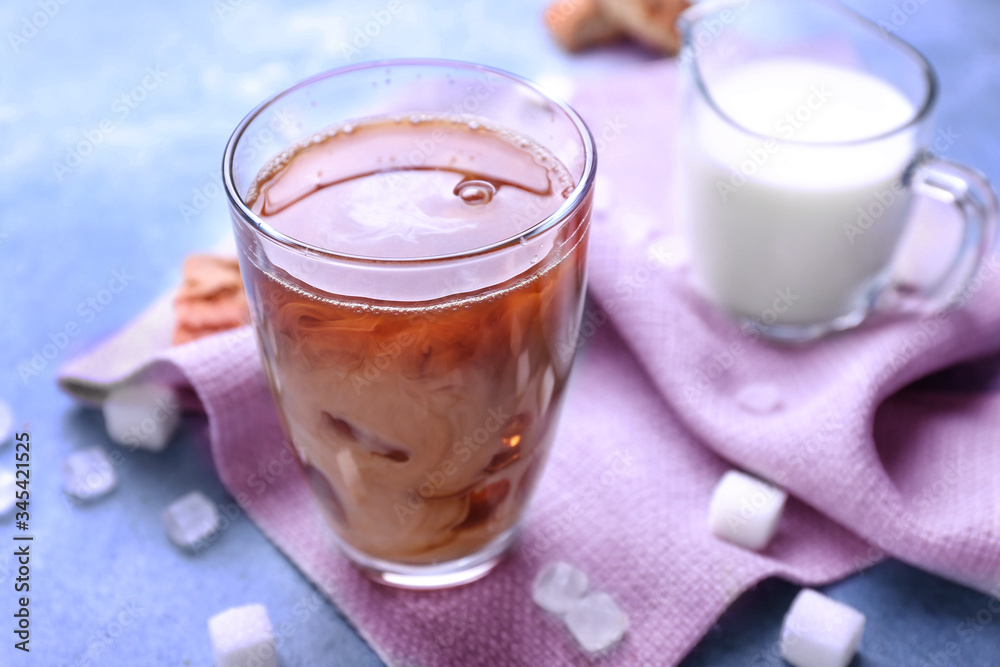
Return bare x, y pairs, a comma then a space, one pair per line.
413, 241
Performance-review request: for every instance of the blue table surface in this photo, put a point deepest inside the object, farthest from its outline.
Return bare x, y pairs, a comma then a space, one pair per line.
156, 90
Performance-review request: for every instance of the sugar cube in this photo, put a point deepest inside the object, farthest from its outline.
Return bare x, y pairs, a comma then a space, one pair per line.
745, 510
190, 519
141, 415
596, 621
88, 474
557, 586
243, 636
820, 632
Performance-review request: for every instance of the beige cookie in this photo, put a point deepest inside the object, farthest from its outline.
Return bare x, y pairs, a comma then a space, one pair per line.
210, 299
580, 24
650, 22
207, 275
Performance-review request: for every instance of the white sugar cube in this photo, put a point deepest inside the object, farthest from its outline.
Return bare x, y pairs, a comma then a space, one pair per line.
243, 636
88, 474
596, 621
190, 519
820, 632
6, 422
745, 510
8, 491
142, 415
557, 586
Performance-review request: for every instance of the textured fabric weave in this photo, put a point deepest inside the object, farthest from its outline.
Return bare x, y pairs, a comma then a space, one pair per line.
651, 417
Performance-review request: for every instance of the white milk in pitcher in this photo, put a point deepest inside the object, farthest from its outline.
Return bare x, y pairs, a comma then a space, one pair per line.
794, 219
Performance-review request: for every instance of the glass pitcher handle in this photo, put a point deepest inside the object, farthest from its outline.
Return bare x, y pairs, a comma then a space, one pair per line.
970, 194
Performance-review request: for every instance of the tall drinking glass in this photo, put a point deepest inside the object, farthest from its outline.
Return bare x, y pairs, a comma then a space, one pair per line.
412, 238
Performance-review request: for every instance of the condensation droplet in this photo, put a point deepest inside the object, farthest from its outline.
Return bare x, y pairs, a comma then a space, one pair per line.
473, 125
534, 258
347, 129
475, 193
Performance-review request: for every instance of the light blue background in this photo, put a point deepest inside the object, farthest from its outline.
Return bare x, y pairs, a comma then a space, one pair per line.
62, 235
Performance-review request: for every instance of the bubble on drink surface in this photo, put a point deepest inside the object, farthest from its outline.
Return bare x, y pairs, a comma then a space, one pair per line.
558, 586
475, 193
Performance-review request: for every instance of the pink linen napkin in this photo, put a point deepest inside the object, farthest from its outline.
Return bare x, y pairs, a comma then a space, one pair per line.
652, 414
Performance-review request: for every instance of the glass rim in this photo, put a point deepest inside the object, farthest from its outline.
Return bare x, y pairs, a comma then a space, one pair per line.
564, 212
697, 12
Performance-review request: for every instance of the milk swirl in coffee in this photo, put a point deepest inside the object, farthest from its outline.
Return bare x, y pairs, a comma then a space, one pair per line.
422, 425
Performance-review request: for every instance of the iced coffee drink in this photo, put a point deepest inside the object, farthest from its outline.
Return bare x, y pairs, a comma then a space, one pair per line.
422, 408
